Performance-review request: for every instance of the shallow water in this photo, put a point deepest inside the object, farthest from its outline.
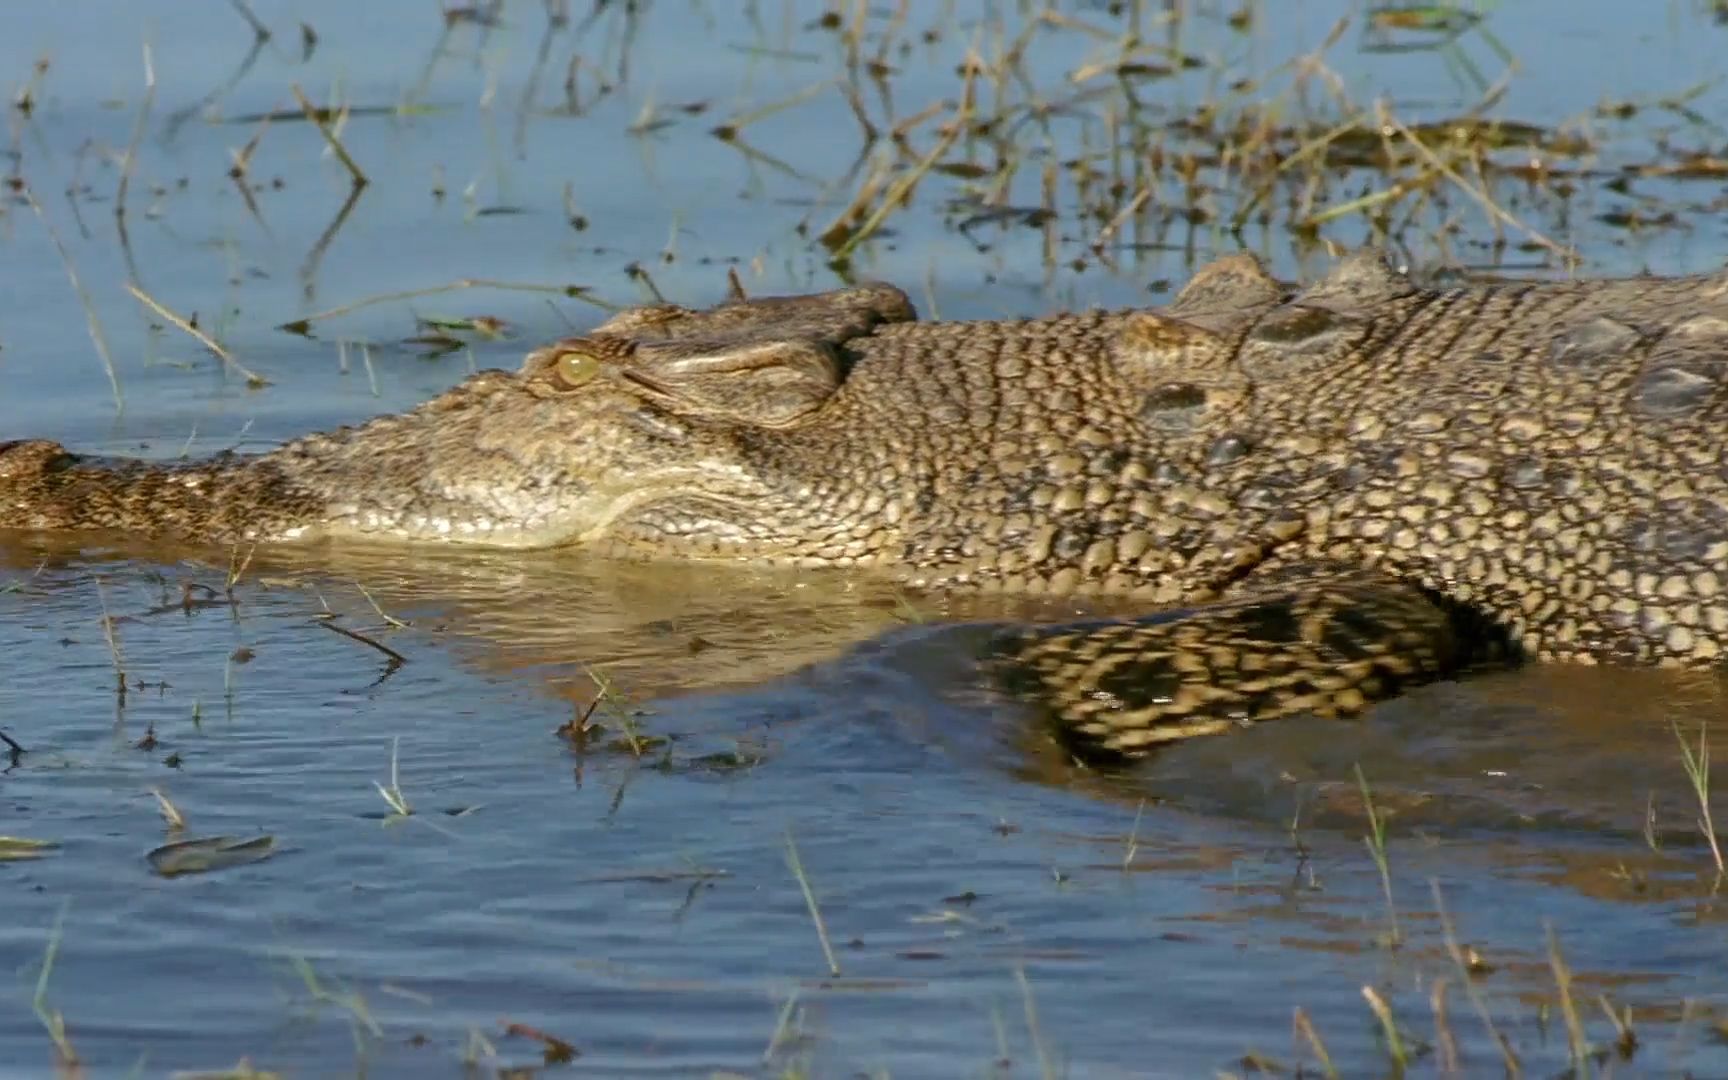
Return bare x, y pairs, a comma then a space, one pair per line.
993, 909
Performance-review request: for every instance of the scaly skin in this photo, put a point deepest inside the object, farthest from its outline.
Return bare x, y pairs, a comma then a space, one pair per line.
1328, 495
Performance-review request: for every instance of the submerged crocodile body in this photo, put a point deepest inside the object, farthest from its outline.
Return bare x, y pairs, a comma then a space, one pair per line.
1321, 496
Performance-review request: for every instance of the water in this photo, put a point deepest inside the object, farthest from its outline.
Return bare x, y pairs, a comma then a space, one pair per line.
992, 909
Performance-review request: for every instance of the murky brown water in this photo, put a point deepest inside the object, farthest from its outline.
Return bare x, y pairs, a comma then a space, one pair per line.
992, 909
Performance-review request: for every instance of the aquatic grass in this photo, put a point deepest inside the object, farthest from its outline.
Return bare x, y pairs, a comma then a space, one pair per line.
392, 659
260, 31
315, 254
1448, 20
783, 1033
1578, 1046
648, 119
609, 697
553, 1050
897, 192
362, 1024
1625, 1035
1567, 255
20, 586
111, 635
477, 1048
208, 101
371, 372
401, 809
14, 749
237, 565
796, 864
390, 620
1149, 172
1395, 1048
1697, 766
232, 662
171, 815
1302, 1027
304, 324
26, 97
52, 1020
1467, 973
1375, 841
1440, 28
129, 162
579, 727
730, 129
93, 322
393, 795
1445, 1042
907, 610
1047, 1068
23, 848
240, 167
253, 379
1402, 1051
320, 119
1132, 848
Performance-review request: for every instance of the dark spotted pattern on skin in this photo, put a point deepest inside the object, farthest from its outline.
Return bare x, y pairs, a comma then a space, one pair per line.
1326, 646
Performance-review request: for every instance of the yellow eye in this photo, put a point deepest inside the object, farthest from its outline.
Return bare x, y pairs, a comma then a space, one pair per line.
576, 368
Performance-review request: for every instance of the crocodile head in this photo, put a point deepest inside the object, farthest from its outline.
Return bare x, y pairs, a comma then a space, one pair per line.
596, 437
585, 443
829, 429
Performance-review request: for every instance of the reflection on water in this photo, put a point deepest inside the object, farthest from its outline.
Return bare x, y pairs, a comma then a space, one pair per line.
554, 610
657, 628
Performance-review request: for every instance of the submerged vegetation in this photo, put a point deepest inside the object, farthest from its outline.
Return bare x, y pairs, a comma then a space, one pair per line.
1079, 139
1011, 156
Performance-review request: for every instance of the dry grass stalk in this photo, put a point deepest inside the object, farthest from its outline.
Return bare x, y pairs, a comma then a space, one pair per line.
92, 321
318, 119
253, 379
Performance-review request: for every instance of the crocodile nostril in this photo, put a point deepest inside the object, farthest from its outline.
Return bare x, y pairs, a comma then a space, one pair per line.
1297, 322
1173, 406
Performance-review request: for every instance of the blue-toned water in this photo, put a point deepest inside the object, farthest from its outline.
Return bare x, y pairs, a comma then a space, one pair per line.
992, 910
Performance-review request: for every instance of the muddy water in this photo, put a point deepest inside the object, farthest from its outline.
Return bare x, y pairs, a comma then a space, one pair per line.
991, 908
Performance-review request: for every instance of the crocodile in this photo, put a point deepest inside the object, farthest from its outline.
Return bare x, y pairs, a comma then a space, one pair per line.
1315, 497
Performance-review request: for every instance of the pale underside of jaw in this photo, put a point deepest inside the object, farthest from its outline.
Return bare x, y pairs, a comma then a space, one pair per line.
485, 516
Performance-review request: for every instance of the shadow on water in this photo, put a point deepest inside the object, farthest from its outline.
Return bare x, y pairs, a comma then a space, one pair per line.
802, 841
1551, 754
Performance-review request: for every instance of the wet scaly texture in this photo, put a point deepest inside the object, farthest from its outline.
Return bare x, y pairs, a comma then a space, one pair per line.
1327, 495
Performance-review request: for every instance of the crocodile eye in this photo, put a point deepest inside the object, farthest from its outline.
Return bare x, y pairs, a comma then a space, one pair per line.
576, 368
